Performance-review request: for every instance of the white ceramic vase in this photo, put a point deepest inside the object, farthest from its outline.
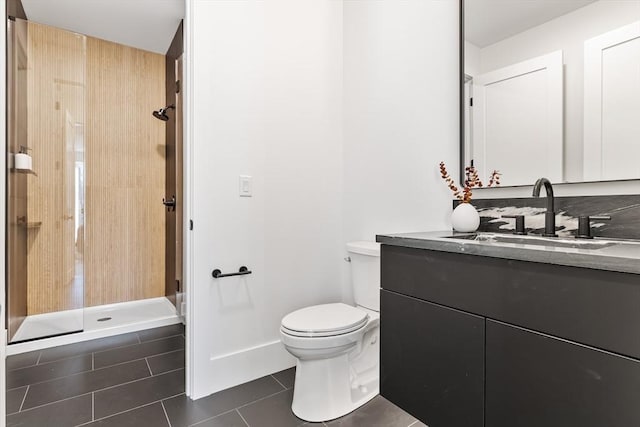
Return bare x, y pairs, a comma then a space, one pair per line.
465, 218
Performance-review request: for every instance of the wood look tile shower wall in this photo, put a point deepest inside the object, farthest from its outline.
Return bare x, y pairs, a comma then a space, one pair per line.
55, 104
125, 174
122, 241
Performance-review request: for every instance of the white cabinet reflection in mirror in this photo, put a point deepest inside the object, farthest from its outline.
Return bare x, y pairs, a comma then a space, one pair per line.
517, 118
600, 45
611, 106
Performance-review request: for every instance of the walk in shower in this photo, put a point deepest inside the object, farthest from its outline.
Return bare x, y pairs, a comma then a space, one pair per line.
85, 179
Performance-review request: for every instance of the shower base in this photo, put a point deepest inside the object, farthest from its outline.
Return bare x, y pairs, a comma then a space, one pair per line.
92, 322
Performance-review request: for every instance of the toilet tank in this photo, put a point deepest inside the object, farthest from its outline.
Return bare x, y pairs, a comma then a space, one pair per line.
365, 273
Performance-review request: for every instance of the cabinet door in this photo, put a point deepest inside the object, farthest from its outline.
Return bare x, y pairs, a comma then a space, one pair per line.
432, 361
534, 380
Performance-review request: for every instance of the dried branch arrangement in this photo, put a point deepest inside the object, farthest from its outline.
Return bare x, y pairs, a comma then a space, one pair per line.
472, 180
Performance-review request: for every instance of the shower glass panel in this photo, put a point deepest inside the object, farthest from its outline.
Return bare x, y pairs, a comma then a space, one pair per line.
45, 221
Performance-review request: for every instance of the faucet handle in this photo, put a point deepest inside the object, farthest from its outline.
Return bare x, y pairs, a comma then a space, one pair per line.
584, 225
520, 229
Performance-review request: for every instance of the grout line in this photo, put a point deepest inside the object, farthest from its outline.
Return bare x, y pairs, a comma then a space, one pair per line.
133, 344
239, 407
139, 343
59, 378
132, 409
141, 379
272, 376
245, 421
170, 397
84, 354
102, 350
102, 368
93, 406
151, 356
137, 360
110, 387
118, 413
39, 356
57, 401
21, 367
413, 423
47, 363
24, 398
93, 362
214, 417
165, 413
179, 334
148, 367
162, 338
262, 398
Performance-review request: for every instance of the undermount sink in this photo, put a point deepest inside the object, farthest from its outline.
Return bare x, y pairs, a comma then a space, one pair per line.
535, 240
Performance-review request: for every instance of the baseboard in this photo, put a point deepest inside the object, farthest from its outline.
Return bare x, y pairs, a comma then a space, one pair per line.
232, 369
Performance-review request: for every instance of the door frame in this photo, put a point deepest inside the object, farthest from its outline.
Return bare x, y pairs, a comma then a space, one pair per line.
3, 232
187, 180
187, 205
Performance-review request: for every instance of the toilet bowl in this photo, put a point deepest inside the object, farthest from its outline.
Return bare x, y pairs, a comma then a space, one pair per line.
337, 346
337, 367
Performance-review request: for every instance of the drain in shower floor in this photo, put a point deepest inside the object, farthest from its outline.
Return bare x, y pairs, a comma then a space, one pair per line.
104, 319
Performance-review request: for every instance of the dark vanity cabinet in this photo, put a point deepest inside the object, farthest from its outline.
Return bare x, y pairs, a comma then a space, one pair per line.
477, 341
536, 380
416, 335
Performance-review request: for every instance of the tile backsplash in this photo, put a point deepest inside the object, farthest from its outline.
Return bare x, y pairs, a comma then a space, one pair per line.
624, 212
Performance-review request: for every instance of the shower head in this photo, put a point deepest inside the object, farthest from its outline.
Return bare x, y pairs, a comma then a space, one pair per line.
161, 114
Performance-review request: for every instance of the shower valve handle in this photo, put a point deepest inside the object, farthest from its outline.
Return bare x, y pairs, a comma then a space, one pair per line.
170, 204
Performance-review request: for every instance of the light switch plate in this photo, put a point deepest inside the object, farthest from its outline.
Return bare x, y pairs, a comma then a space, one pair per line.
245, 186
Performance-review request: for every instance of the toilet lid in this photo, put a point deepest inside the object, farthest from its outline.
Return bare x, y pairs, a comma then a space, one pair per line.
324, 320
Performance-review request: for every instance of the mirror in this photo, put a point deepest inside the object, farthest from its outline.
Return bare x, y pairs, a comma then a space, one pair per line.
551, 88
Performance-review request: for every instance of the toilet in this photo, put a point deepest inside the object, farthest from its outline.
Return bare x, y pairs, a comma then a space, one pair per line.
338, 345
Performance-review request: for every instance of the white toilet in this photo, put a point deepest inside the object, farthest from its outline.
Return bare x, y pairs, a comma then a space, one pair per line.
337, 345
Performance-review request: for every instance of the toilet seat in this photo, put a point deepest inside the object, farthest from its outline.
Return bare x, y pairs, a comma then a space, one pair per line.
324, 320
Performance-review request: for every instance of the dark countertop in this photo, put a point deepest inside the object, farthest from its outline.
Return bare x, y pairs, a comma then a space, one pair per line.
623, 256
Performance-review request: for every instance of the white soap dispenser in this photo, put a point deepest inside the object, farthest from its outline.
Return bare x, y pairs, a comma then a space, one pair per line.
22, 160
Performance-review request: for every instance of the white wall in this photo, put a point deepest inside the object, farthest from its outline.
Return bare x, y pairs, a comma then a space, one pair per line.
568, 33
401, 115
471, 59
266, 102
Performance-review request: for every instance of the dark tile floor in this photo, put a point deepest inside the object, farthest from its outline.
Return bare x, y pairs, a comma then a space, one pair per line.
137, 379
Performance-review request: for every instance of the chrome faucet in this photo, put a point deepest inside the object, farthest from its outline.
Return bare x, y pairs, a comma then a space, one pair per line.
550, 215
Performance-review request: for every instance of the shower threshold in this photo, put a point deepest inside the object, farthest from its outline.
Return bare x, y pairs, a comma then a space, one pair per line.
54, 329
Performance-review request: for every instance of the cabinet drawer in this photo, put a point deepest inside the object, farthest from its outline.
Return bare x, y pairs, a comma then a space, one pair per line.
432, 361
533, 380
593, 307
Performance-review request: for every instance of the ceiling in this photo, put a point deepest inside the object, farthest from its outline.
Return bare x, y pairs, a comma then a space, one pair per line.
145, 24
489, 21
